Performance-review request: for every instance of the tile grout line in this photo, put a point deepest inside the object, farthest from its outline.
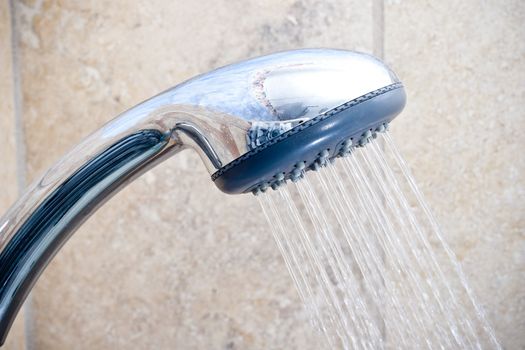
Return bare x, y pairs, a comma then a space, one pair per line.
378, 28
378, 49
21, 174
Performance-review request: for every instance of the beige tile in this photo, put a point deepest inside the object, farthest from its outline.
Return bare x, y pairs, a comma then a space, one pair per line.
7, 126
463, 63
8, 154
170, 262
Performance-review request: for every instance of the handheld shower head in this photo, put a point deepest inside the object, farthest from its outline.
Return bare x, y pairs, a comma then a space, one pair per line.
255, 124
294, 109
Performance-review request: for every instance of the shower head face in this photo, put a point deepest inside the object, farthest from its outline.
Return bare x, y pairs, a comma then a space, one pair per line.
291, 111
312, 143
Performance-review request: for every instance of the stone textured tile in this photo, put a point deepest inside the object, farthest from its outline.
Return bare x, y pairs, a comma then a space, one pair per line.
8, 154
463, 64
7, 126
170, 262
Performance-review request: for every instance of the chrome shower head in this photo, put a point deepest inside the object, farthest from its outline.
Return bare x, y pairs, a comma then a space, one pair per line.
255, 124
289, 111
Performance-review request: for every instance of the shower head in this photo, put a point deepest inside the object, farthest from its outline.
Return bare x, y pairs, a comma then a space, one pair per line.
295, 111
255, 124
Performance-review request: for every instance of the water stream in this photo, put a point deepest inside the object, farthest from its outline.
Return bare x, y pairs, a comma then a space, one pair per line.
369, 260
